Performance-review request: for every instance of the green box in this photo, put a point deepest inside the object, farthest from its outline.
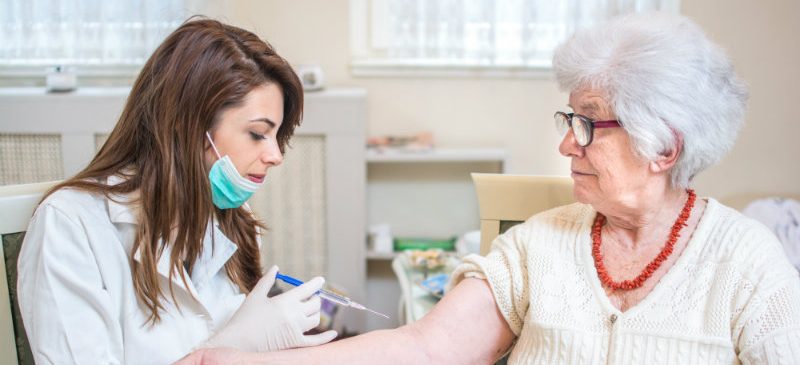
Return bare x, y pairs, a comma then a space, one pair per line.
401, 244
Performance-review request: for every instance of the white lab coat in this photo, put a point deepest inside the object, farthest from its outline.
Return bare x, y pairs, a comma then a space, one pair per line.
76, 290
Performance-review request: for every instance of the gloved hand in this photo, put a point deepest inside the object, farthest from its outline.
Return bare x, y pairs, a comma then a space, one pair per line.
277, 323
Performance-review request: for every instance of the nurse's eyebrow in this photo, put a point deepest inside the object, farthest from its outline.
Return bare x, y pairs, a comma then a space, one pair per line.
264, 120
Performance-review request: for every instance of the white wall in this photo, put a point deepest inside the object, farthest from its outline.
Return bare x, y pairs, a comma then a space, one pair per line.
761, 37
515, 113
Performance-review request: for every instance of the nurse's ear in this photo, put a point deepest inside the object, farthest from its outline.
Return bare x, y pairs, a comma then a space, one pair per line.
208, 145
207, 138
667, 159
210, 152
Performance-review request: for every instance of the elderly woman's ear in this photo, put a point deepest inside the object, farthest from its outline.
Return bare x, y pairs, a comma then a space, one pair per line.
667, 159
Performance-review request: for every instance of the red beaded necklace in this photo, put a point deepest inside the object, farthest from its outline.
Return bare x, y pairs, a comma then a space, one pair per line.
648, 271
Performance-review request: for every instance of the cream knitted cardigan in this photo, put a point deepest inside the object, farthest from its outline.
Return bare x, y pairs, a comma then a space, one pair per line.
732, 297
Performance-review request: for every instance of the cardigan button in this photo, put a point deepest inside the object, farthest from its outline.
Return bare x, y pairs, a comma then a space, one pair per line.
613, 318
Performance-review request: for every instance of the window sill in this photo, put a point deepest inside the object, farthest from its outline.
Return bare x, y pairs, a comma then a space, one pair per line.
92, 76
384, 68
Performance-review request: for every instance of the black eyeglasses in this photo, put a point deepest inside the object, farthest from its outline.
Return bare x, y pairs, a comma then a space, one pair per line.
581, 125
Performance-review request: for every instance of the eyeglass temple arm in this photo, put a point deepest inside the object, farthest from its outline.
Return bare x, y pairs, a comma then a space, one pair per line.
606, 123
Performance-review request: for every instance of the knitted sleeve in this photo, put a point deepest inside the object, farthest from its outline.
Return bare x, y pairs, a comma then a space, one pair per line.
505, 270
772, 334
768, 324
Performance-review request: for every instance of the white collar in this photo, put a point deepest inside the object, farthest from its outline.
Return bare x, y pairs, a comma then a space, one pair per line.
217, 248
121, 208
212, 259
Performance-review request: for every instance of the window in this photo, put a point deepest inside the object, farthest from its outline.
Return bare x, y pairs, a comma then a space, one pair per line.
445, 35
90, 35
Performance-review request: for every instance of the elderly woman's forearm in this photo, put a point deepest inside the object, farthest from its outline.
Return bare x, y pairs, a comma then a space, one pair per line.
377, 347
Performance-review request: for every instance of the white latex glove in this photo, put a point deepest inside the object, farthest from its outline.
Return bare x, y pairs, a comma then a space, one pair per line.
277, 323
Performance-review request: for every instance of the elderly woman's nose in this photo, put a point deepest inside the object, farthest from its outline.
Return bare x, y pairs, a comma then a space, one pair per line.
569, 145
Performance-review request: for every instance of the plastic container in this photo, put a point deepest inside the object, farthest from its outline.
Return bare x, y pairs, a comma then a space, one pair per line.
401, 244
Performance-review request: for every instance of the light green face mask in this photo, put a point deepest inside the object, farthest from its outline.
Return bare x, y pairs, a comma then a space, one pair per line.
229, 189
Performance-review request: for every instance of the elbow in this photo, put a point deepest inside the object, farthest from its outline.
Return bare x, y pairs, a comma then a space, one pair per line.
424, 344
431, 346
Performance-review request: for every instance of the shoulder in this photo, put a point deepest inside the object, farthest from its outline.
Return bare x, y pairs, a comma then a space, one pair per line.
566, 217
74, 204
558, 227
730, 227
65, 227
742, 241
572, 213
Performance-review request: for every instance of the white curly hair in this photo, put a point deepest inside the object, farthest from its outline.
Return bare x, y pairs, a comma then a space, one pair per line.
663, 77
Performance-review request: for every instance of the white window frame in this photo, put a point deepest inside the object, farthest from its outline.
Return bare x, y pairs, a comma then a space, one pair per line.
366, 42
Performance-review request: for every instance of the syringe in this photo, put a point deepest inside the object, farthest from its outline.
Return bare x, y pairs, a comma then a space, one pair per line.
331, 296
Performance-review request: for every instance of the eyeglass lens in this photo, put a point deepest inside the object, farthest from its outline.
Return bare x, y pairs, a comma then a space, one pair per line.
579, 128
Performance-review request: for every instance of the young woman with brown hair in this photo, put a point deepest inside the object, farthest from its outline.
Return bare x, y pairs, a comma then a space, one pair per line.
149, 253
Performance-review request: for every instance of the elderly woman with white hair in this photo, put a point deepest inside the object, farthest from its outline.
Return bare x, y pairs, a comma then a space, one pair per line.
640, 270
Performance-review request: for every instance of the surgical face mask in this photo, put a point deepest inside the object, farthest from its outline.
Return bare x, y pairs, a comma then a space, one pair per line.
229, 189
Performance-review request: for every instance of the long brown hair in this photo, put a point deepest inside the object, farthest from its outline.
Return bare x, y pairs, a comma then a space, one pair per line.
200, 70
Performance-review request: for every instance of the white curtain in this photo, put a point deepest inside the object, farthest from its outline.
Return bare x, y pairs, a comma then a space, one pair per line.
85, 32
494, 32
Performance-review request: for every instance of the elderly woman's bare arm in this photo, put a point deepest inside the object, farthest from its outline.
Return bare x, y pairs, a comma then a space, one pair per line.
464, 328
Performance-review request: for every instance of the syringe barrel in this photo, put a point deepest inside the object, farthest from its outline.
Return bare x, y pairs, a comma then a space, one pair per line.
336, 298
